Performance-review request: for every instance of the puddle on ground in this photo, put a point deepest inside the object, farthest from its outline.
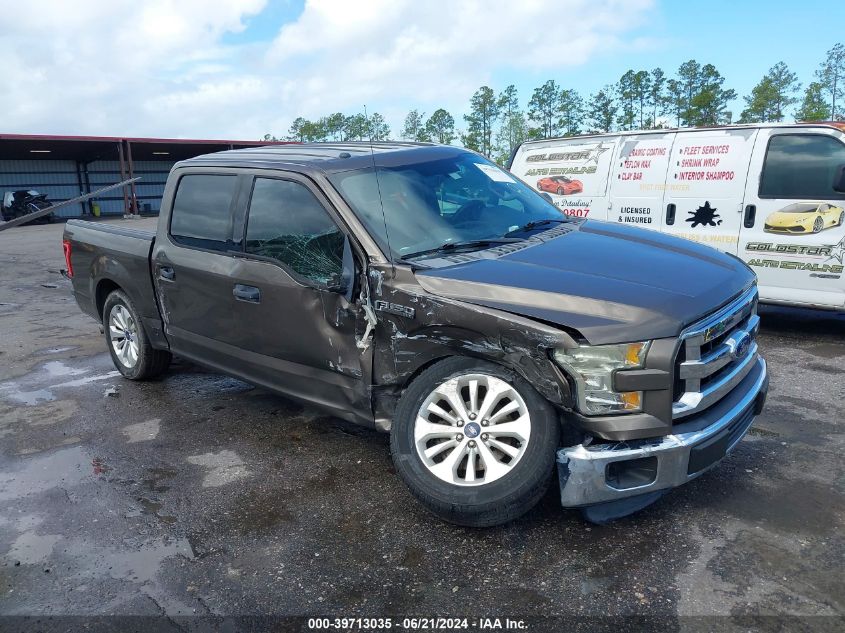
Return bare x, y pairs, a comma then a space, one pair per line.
157, 475
224, 468
57, 350
139, 565
31, 548
31, 450
56, 368
39, 385
142, 431
63, 468
153, 508
31, 397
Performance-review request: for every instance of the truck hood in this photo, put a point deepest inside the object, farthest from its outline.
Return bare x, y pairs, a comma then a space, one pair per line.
611, 283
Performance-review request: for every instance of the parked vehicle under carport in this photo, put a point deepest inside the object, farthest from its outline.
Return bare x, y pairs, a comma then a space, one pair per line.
422, 290
22, 202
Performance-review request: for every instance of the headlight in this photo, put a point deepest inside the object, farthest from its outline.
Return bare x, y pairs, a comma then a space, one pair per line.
592, 367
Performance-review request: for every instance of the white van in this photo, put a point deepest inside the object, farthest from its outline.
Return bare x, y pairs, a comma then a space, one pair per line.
771, 194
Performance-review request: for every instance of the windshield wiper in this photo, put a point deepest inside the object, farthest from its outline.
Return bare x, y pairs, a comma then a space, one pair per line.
468, 244
534, 224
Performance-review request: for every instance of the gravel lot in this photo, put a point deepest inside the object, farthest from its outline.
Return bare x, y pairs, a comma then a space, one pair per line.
201, 495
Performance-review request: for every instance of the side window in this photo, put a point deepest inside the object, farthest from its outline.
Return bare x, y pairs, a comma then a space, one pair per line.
287, 223
201, 215
801, 166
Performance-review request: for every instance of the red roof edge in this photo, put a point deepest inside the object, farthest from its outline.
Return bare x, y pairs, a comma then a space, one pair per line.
131, 139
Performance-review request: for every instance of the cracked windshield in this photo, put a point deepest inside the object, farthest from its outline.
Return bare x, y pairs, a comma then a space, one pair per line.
460, 201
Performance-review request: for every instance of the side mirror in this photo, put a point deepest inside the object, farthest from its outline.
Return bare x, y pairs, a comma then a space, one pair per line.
839, 179
344, 283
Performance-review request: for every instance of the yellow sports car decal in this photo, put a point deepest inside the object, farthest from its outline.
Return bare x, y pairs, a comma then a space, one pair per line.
804, 217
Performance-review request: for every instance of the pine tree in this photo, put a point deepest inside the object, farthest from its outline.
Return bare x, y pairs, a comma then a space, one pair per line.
657, 95
625, 90
571, 108
831, 76
484, 111
544, 108
379, 129
602, 109
771, 96
813, 107
414, 128
513, 128
441, 126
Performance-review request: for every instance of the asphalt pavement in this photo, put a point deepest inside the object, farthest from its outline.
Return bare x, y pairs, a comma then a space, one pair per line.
198, 494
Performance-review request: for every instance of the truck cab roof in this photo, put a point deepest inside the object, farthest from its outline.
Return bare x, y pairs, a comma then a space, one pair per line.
324, 157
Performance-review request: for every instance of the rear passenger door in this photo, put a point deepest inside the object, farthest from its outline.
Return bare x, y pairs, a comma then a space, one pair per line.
192, 264
705, 184
793, 234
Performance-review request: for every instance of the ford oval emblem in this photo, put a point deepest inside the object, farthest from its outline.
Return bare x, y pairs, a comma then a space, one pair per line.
742, 346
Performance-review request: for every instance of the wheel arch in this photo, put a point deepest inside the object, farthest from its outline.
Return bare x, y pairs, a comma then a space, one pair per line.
412, 354
104, 288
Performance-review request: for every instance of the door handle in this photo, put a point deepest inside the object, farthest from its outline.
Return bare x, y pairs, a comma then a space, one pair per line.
250, 294
166, 272
670, 213
750, 216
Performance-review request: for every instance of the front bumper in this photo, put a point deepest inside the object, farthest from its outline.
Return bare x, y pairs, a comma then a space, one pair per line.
605, 473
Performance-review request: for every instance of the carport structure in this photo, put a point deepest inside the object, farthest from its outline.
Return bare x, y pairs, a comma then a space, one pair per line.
65, 167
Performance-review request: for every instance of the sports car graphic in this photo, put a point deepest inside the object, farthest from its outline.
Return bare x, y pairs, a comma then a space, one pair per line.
561, 185
804, 217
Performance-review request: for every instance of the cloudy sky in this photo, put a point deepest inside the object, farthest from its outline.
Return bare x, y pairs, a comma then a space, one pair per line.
237, 69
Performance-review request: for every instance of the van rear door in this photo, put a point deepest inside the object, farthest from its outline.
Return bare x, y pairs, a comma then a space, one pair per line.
573, 172
705, 184
793, 229
639, 180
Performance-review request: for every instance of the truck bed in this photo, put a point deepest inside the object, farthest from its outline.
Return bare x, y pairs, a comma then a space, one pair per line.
106, 256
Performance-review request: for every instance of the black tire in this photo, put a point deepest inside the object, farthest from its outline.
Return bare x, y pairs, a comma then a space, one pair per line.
150, 362
560, 191
818, 225
494, 503
841, 218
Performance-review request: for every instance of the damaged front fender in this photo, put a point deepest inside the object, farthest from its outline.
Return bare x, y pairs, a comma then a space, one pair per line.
416, 329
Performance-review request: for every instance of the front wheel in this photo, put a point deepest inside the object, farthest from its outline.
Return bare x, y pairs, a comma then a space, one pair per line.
474, 442
130, 349
818, 225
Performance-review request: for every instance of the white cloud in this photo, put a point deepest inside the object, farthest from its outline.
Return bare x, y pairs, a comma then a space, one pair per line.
160, 67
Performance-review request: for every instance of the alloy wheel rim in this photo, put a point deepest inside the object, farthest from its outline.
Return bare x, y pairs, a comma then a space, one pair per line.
123, 333
472, 430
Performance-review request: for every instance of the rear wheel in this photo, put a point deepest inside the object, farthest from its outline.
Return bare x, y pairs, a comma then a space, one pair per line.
818, 225
560, 191
474, 442
129, 346
841, 218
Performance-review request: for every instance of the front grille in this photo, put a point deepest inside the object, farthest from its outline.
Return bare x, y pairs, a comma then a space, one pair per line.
784, 229
715, 355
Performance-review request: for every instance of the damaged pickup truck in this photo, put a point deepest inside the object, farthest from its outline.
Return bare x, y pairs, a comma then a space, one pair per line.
421, 290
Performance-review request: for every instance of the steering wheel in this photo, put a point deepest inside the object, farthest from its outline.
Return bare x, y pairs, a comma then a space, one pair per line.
467, 212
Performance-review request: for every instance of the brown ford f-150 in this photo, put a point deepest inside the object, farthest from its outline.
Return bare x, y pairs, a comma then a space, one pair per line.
424, 291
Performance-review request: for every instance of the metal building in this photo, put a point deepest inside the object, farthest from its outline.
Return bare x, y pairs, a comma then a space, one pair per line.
65, 167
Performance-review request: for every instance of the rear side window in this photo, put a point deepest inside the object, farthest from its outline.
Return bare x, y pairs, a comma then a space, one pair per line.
288, 224
201, 215
801, 166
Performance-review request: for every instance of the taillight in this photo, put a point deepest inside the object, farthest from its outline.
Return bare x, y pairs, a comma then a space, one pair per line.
66, 249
